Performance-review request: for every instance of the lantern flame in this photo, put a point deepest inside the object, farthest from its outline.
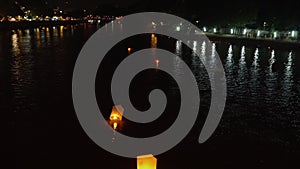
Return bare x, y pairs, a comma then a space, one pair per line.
115, 125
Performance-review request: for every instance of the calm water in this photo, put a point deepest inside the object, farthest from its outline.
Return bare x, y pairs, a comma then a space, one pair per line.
260, 127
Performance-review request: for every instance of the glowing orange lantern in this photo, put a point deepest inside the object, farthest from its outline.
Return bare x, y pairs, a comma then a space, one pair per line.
116, 115
146, 162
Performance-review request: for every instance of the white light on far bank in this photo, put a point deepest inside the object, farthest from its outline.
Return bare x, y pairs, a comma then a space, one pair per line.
215, 30
293, 33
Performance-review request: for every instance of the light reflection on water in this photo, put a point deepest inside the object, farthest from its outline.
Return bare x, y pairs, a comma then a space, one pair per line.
177, 61
242, 65
32, 58
61, 32
236, 72
288, 67
194, 59
22, 65
256, 58
254, 88
178, 48
229, 63
288, 82
272, 60
195, 49
212, 65
213, 55
229, 57
203, 51
255, 75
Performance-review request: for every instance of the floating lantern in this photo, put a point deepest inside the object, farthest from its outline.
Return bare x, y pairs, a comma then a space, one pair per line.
146, 162
116, 115
129, 50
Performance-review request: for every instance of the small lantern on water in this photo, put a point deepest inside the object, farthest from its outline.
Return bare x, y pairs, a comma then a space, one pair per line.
146, 162
129, 50
116, 115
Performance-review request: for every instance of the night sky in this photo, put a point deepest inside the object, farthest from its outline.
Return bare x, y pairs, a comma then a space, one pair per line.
72, 3
268, 5
250, 13
234, 11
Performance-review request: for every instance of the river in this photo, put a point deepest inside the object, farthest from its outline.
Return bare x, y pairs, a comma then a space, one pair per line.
260, 127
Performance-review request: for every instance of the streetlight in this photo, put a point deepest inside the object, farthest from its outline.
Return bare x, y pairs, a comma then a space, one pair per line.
275, 35
245, 31
215, 30
293, 34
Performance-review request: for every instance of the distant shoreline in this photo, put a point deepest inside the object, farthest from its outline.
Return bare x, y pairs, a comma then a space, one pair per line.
232, 39
36, 24
254, 41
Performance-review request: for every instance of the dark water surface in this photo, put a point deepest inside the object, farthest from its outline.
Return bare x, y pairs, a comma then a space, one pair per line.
260, 127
